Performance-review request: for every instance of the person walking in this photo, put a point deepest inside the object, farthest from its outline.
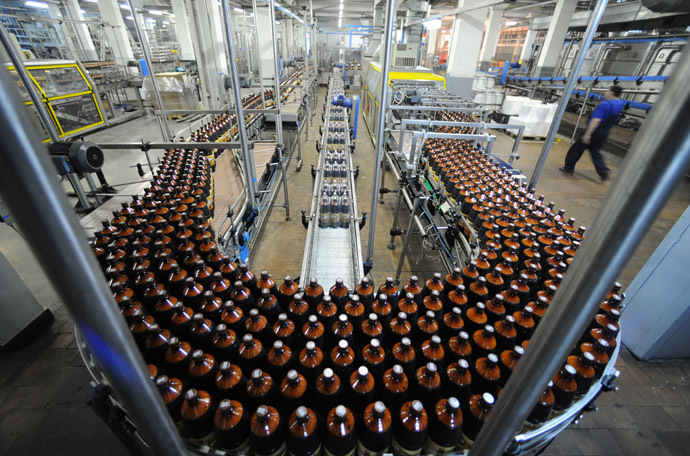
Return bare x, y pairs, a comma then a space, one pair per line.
603, 118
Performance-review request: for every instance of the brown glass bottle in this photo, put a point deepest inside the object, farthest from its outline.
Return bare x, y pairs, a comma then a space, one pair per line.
326, 311
313, 292
451, 323
298, 310
286, 292
139, 326
266, 281
313, 331
427, 385
539, 308
257, 325
260, 389
267, 436
542, 411
413, 287
328, 390
427, 326
370, 328
339, 293
390, 290
284, 330
470, 273
598, 349
342, 329
410, 429
433, 283
377, 430
170, 390
340, 438
477, 291
459, 347
434, 303
177, 358
486, 375
508, 361
361, 390
458, 380
201, 332
564, 388
242, 297
505, 333
433, 352
584, 372
279, 359
374, 358
248, 279
495, 309
524, 324
311, 362
608, 333
303, 433
450, 283
475, 318
395, 386
477, 411
156, 344
229, 381
251, 354
202, 370
404, 354
445, 427
293, 390
383, 309
354, 309
268, 306
231, 427
365, 291
408, 305
197, 414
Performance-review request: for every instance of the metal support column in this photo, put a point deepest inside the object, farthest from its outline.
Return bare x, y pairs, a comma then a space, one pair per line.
276, 82
36, 200
258, 53
166, 132
408, 234
390, 21
594, 20
582, 110
657, 160
247, 154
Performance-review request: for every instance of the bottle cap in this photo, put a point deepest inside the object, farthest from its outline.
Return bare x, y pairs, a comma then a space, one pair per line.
262, 412
225, 406
417, 408
312, 319
430, 369
373, 317
198, 355
453, 405
282, 317
247, 338
398, 370
301, 413
292, 375
374, 343
310, 345
257, 374
328, 373
341, 412
379, 409
488, 399
342, 318
162, 380
435, 341
406, 341
463, 364
278, 345
363, 372
342, 344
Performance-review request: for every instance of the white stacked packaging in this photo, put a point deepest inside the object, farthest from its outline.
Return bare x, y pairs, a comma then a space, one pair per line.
533, 114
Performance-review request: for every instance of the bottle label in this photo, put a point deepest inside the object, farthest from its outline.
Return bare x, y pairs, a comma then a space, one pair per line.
363, 451
432, 448
328, 453
400, 451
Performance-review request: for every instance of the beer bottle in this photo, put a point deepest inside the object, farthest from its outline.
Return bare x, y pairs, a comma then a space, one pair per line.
427, 384
181, 320
505, 333
522, 288
342, 330
326, 311
383, 310
211, 306
156, 344
170, 390
511, 299
541, 412
177, 358
266, 281
450, 283
458, 380
298, 310
193, 293
365, 291
267, 437
564, 388
242, 297
228, 269
433, 302
608, 334
339, 293
434, 283
202, 370
201, 333
377, 430
445, 427
257, 325
374, 358
311, 362
287, 291
248, 279
230, 381
279, 359
469, 273
584, 372
395, 387
494, 280
427, 326
413, 287
313, 292
303, 433
371, 328
231, 427
410, 430
361, 391
176, 280
598, 349
495, 309
486, 375
390, 290
614, 301
524, 324
328, 388
408, 305
398, 328
452, 323
342, 359
162, 309
354, 309
220, 286
476, 318
478, 410
284, 330
268, 305
140, 326
197, 414
251, 353
459, 347
404, 354
538, 308
609, 318
508, 361
232, 317
260, 389
293, 390
433, 352
313, 331
340, 438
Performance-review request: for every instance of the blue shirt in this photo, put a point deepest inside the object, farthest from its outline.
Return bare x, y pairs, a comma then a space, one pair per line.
608, 112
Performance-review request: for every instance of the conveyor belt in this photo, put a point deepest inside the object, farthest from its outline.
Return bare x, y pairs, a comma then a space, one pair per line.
332, 252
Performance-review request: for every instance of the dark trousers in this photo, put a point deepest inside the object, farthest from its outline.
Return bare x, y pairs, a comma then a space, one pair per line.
576, 150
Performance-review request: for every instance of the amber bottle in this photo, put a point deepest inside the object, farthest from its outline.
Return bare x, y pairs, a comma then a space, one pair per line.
232, 317
365, 291
260, 389
383, 309
370, 328
404, 354
257, 325
598, 349
156, 344
231, 427
361, 390
284, 330
170, 390
313, 331
486, 375
508, 361
451, 323
390, 290
339, 293
303, 433
445, 427
564, 388
286, 292
494, 281
477, 411
427, 385
197, 414
311, 362
354, 309
608, 333
326, 311
524, 324
398, 328
139, 326
408, 305
229, 381
202, 370
211, 306
342, 329
313, 292
279, 359
506, 333
542, 411
584, 372
410, 430
433, 283
476, 318
251, 354
267, 437
483, 341
413, 287
242, 297
192, 294
427, 326
201, 332
450, 283
327, 391
477, 291
177, 358
269, 306
176, 280
298, 310
374, 358
434, 303
458, 380
377, 430
293, 388
459, 347
248, 279
470, 273
432, 352
395, 385
340, 438
539, 308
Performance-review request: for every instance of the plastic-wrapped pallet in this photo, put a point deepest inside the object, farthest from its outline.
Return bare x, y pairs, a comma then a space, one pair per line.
512, 104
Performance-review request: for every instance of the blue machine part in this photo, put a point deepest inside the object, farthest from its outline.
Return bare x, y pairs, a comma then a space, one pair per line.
342, 100
354, 130
144, 68
244, 249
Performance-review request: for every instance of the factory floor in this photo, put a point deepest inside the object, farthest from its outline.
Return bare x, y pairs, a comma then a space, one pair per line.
44, 386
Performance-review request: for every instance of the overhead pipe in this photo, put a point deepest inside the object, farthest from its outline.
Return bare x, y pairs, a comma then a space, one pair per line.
378, 163
657, 160
276, 70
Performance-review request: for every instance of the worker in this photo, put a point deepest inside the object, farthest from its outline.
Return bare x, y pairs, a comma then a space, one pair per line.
603, 118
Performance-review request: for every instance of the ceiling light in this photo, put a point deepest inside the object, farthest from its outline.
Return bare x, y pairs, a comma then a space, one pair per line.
156, 12
123, 6
340, 23
36, 4
239, 10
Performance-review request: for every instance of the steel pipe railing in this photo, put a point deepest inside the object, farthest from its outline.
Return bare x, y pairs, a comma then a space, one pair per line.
658, 158
29, 188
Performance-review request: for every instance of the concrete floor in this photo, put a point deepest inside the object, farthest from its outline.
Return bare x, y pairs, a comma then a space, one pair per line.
43, 387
